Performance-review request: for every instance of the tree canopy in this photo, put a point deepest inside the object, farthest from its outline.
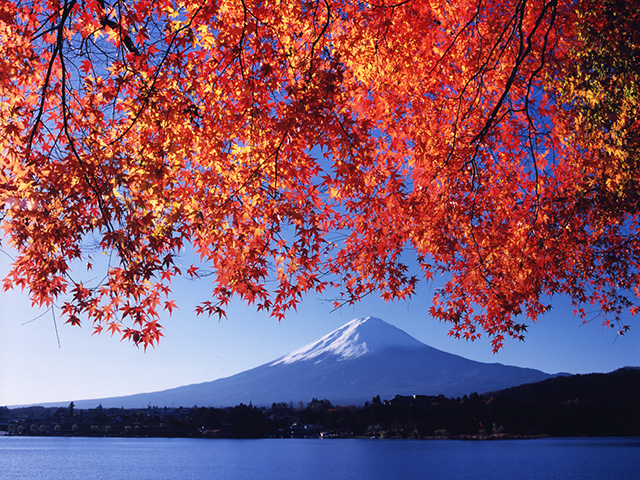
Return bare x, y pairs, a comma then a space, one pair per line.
299, 146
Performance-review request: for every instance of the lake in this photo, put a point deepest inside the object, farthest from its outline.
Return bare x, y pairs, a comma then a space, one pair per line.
56, 458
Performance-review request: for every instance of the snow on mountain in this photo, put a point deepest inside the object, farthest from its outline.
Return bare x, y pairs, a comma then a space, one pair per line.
364, 358
359, 337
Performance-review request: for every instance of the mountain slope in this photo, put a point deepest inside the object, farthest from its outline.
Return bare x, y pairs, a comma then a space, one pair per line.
364, 358
576, 405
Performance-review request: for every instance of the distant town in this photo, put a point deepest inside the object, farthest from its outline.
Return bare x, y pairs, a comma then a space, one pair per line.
578, 405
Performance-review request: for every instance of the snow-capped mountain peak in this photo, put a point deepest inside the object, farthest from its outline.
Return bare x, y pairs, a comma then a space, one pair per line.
351, 365
361, 336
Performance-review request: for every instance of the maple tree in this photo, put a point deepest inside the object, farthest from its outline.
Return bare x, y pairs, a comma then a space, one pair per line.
304, 146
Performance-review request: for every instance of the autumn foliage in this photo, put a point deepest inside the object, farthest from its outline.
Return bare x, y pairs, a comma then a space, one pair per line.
300, 146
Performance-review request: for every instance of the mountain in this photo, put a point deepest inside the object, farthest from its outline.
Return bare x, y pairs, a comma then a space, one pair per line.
364, 358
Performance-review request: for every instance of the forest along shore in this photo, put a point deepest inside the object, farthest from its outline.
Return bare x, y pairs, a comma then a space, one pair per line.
577, 405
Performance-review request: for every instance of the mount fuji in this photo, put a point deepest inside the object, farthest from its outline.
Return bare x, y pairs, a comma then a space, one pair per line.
364, 358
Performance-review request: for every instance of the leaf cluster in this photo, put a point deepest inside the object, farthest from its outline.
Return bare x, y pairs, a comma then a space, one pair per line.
296, 147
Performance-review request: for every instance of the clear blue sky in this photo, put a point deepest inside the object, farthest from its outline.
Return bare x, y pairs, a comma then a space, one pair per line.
34, 369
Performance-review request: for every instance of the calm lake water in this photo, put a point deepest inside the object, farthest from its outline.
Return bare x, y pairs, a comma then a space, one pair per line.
36, 458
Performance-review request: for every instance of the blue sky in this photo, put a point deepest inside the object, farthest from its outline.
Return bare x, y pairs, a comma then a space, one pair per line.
33, 369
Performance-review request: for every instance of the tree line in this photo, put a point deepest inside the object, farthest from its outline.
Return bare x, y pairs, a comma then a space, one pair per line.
577, 405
